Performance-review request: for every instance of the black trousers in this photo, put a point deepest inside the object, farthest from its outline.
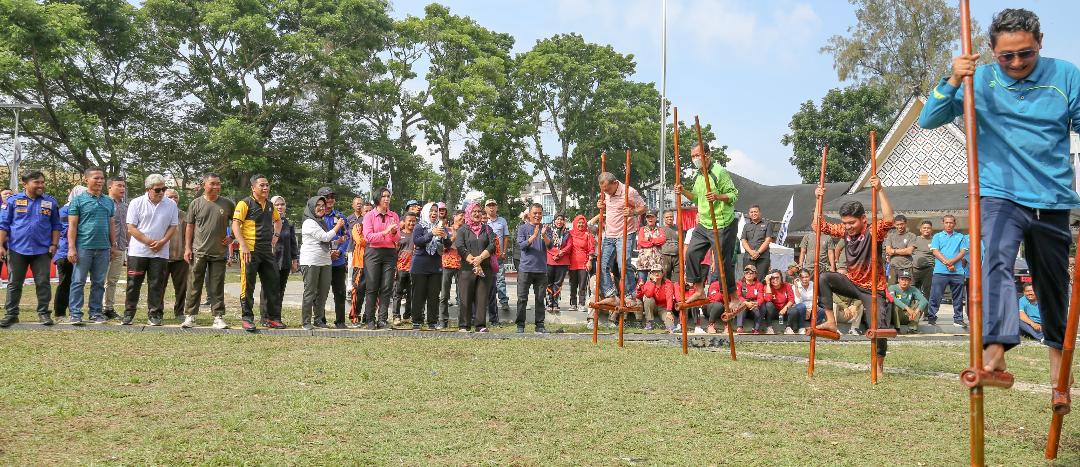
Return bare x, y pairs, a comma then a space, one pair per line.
527, 281
179, 273
425, 297
402, 289
448, 276
264, 301
17, 265
836, 283
379, 265
700, 243
556, 276
152, 271
579, 287
64, 269
763, 263
474, 293
338, 274
263, 266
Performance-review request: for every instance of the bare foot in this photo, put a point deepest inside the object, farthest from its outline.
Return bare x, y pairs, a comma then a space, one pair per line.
609, 301
881, 366
697, 296
994, 358
1055, 366
828, 325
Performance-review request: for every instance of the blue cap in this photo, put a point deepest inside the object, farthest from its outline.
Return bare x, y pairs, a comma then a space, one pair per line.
412, 202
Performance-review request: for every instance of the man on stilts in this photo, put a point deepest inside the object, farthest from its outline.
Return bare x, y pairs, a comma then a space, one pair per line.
722, 198
1025, 105
857, 280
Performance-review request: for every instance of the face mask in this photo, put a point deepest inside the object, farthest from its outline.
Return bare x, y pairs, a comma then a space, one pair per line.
697, 162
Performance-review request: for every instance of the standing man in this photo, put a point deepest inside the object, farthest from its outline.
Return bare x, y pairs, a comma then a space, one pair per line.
502, 237
949, 248
1027, 105
757, 234
922, 274
533, 240
807, 250
204, 249
151, 223
899, 248
722, 199
90, 245
619, 210
258, 226
117, 191
29, 235
670, 249
339, 256
178, 271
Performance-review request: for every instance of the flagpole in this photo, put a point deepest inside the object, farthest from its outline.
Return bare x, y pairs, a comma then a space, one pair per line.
663, 116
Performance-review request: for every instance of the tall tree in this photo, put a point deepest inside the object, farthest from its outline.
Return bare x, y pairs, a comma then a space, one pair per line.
907, 45
843, 121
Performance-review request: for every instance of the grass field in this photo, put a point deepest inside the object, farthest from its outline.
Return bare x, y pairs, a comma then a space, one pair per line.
145, 398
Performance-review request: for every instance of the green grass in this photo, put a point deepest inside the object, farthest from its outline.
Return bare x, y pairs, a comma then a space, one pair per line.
117, 398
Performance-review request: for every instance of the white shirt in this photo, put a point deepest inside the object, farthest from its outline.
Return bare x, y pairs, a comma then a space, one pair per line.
313, 250
153, 220
804, 295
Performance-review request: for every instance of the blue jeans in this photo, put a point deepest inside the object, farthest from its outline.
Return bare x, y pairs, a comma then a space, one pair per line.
803, 313
1027, 330
612, 256
500, 286
937, 290
95, 265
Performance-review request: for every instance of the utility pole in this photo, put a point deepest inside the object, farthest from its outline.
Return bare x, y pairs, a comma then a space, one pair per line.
17, 157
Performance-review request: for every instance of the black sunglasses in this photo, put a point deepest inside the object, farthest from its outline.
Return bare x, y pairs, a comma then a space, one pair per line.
1023, 54
158, 190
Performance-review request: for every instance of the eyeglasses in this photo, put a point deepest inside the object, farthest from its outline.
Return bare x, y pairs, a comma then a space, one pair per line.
1023, 54
158, 190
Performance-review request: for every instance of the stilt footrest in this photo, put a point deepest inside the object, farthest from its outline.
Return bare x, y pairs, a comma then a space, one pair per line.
693, 304
603, 306
981, 378
880, 333
1061, 402
825, 333
628, 309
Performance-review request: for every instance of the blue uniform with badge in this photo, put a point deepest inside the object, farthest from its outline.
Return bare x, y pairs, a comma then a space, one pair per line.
30, 223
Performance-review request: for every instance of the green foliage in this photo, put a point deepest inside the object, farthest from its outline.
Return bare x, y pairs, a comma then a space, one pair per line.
843, 122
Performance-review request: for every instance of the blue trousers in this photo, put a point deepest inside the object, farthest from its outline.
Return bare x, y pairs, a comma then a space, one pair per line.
959, 294
95, 265
612, 257
1046, 238
1027, 330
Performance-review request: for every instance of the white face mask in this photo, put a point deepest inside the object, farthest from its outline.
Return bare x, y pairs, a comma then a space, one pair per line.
697, 162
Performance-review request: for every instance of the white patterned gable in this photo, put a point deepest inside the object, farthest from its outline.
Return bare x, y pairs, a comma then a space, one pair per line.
910, 155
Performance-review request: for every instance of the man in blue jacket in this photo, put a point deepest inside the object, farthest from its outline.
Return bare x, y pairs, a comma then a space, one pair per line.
1025, 105
30, 229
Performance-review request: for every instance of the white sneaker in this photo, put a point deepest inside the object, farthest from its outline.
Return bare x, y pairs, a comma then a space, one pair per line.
788, 331
189, 322
219, 323
853, 331
770, 331
698, 330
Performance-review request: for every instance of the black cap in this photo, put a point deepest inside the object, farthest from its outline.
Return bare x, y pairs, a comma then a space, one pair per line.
326, 191
905, 274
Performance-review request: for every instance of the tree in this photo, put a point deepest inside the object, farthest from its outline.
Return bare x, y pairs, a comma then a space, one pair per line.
907, 45
843, 122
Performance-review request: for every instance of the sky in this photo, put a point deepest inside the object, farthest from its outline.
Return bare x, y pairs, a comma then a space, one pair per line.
743, 66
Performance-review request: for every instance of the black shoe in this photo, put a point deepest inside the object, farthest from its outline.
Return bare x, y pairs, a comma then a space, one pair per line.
504, 308
44, 319
110, 314
416, 327
263, 322
340, 326
154, 320
9, 320
960, 323
931, 322
60, 314
370, 326
127, 319
321, 324
307, 327
521, 330
541, 330
382, 325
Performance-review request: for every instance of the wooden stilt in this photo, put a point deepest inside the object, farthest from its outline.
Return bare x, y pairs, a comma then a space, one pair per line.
817, 265
1061, 400
626, 255
595, 305
678, 228
705, 167
873, 262
975, 348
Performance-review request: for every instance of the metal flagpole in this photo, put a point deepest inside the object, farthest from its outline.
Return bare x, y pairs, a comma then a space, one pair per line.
663, 115
17, 157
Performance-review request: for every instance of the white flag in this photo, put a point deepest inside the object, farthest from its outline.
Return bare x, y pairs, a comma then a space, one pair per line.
780, 237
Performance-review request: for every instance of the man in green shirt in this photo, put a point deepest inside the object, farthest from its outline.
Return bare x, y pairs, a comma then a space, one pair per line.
721, 199
909, 303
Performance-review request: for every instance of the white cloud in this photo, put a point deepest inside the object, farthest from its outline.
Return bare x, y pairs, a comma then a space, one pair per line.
742, 164
732, 26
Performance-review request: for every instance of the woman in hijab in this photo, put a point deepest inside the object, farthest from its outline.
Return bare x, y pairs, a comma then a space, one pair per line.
475, 242
429, 240
583, 251
315, 261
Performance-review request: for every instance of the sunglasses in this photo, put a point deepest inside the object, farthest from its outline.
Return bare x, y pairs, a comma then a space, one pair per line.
158, 190
1023, 54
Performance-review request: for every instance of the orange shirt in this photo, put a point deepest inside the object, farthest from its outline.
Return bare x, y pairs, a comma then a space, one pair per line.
359, 246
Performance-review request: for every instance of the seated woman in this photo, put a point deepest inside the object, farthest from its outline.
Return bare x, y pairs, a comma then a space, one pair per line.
751, 294
1030, 318
804, 304
657, 293
779, 301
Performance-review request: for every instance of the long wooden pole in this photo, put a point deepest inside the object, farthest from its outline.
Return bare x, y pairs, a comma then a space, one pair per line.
705, 167
1065, 369
975, 395
873, 261
678, 228
817, 262
600, 249
622, 268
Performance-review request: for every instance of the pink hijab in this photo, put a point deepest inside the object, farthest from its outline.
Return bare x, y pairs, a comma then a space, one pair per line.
475, 226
